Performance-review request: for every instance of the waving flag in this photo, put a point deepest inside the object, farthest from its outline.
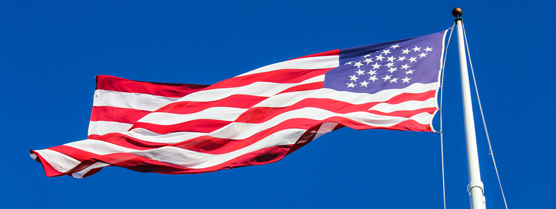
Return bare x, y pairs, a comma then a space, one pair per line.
263, 115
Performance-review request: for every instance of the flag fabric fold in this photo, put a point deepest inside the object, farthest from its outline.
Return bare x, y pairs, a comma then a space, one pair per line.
257, 117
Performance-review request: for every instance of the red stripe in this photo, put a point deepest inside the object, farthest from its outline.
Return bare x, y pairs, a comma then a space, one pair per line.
142, 164
112, 83
404, 97
275, 76
326, 53
200, 125
93, 136
405, 113
186, 107
117, 114
127, 141
408, 125
304, 87
262, 114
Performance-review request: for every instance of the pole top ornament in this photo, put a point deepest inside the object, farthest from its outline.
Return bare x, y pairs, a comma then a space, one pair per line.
456, 12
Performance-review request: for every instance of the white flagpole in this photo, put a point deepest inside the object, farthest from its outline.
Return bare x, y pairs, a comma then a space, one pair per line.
475, 187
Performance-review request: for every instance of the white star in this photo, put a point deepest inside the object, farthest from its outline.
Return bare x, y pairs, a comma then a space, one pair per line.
416, 49
348, 63
391, 59
394, 80
390, 64
395, 46
352, 85
409, 72
401, 58
353, 78
413, 59
360, 72
379, 57
373, 78
368, 60
358, 64
387, 77
405, 66
428, 49
376, 65
386, 51
392, 70
364, 83
405, 51
368, 55
406, 80
422, 55
372, 72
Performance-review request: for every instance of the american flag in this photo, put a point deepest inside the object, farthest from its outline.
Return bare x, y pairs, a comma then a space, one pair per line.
257, 117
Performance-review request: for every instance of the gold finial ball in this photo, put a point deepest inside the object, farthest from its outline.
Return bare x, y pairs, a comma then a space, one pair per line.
456, 12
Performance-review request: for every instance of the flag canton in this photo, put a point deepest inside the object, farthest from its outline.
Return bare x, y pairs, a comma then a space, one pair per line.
391, 65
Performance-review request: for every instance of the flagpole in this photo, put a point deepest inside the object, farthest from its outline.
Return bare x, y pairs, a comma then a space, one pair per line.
475, 187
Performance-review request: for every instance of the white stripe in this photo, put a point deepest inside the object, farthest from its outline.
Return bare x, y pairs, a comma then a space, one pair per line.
170, 138
320, 62
60, 162
290, 98
262, 89
137, 101
315, 79
216, 113
82, 173
409, 105
105, 127
98, 147
325, 128
197, 160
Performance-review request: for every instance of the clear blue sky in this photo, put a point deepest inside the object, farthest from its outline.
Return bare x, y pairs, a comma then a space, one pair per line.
51, 51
